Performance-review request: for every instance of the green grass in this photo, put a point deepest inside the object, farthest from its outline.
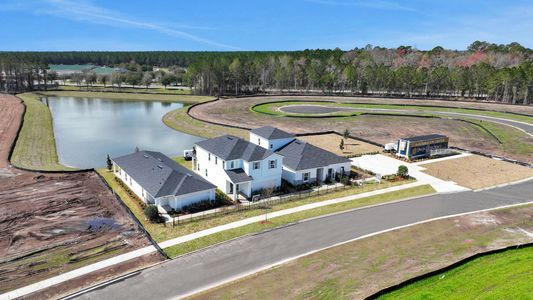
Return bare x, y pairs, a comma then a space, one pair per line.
271, 108
181, 160
186, 99
512, 138
283, 220
35, 147
161, 232
125, 90
505, 275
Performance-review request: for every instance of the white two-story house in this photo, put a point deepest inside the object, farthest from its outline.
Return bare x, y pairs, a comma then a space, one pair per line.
302, 162
237, 166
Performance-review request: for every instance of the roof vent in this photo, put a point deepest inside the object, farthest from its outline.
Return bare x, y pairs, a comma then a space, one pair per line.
145, 156
160, 167
159, 159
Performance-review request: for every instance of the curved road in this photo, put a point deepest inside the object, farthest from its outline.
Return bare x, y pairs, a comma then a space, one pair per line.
221, 263
320, 109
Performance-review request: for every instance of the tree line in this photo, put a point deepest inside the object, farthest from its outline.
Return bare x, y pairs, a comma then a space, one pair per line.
502, 73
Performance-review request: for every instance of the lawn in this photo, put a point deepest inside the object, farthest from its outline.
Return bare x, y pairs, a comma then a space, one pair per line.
273, 109
35, 147
505, 275
226, 235
186, 99
125, 90
358, 269
163, 232
178, 119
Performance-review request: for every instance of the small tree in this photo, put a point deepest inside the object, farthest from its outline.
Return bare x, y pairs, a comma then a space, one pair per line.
152, 213
109, 163
346, 134
403, 171
136, 149
341, 145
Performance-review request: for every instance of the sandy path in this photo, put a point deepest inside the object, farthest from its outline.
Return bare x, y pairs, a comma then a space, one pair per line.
11, 109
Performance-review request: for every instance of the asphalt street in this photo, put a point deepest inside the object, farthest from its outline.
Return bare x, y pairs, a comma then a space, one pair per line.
214, 265
317, 109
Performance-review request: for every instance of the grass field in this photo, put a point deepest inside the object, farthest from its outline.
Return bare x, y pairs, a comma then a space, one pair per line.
125, 90
163, 232
178, 119
358, 269
287, 219
506, 275
273, 108
186, 99
35, 147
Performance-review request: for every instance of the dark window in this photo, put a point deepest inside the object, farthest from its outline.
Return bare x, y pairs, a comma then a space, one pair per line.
272, 164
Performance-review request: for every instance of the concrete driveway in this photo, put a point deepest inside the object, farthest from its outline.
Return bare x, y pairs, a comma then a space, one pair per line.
385, 165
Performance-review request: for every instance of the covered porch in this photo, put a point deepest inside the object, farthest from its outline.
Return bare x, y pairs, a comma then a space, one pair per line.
238, 183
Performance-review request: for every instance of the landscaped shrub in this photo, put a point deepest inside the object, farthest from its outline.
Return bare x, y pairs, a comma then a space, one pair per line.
152, 214
403, 171
130, 193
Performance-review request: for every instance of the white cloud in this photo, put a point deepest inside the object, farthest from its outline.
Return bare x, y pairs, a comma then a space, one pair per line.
85, 11
376, 4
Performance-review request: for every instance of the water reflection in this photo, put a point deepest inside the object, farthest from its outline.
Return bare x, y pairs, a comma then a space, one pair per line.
87, 129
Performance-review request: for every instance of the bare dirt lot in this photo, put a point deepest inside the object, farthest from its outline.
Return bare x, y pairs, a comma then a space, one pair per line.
50, 224
11, 110
360, 268
332, 141
477, 172
381, 129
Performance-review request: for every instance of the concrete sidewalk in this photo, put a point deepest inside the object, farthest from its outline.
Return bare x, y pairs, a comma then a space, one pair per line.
143, 251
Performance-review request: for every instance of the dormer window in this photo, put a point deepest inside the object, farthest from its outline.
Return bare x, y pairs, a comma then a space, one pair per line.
257, 165
272, 164
232, 165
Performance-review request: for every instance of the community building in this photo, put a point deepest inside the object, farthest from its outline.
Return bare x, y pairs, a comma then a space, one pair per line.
157, 179
421, 146
237, 166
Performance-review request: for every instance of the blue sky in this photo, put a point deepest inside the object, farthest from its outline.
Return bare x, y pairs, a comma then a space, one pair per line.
259, 25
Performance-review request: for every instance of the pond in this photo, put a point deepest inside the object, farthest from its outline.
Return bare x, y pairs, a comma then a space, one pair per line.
88, 129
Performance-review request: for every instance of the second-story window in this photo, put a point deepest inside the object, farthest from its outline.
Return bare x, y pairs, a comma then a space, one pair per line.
259, 141
257, 165
223, 164
272, 164
216, 160
231, 165
271, 146
208, 156
205, 172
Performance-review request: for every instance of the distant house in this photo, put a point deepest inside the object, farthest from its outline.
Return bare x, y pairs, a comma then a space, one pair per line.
70, 69
421, 146
157, 179
237, 166
302, 162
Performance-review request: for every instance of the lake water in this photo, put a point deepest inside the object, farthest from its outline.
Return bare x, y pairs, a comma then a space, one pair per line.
88, 129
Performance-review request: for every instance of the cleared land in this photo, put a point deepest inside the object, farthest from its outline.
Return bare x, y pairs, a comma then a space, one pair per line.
50, 224
379, 128
363, 267
504, 275
11, 110
332, 141
477, 172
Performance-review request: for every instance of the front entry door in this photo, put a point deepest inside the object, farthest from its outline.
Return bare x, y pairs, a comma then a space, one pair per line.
330, 173
230, 188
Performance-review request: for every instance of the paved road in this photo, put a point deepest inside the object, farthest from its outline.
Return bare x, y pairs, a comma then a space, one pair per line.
317, 109
228, 260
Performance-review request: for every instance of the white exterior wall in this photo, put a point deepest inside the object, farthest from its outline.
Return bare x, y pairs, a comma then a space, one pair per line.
276, 144
296, 177
177, 202
215, 173
265, 177
131, 183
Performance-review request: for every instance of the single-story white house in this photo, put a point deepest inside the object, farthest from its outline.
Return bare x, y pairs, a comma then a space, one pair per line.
157, 179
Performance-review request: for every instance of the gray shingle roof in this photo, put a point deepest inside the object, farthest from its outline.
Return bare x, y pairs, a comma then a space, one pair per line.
229, 147
300, 155
271, 133
238, 176
161, 176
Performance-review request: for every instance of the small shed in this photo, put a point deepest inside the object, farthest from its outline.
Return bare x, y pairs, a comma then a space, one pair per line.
421, 146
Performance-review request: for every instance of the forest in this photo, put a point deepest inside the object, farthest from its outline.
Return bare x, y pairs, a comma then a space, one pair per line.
487, 71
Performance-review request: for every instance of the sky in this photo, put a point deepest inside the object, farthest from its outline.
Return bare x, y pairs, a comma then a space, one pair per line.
235, 25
